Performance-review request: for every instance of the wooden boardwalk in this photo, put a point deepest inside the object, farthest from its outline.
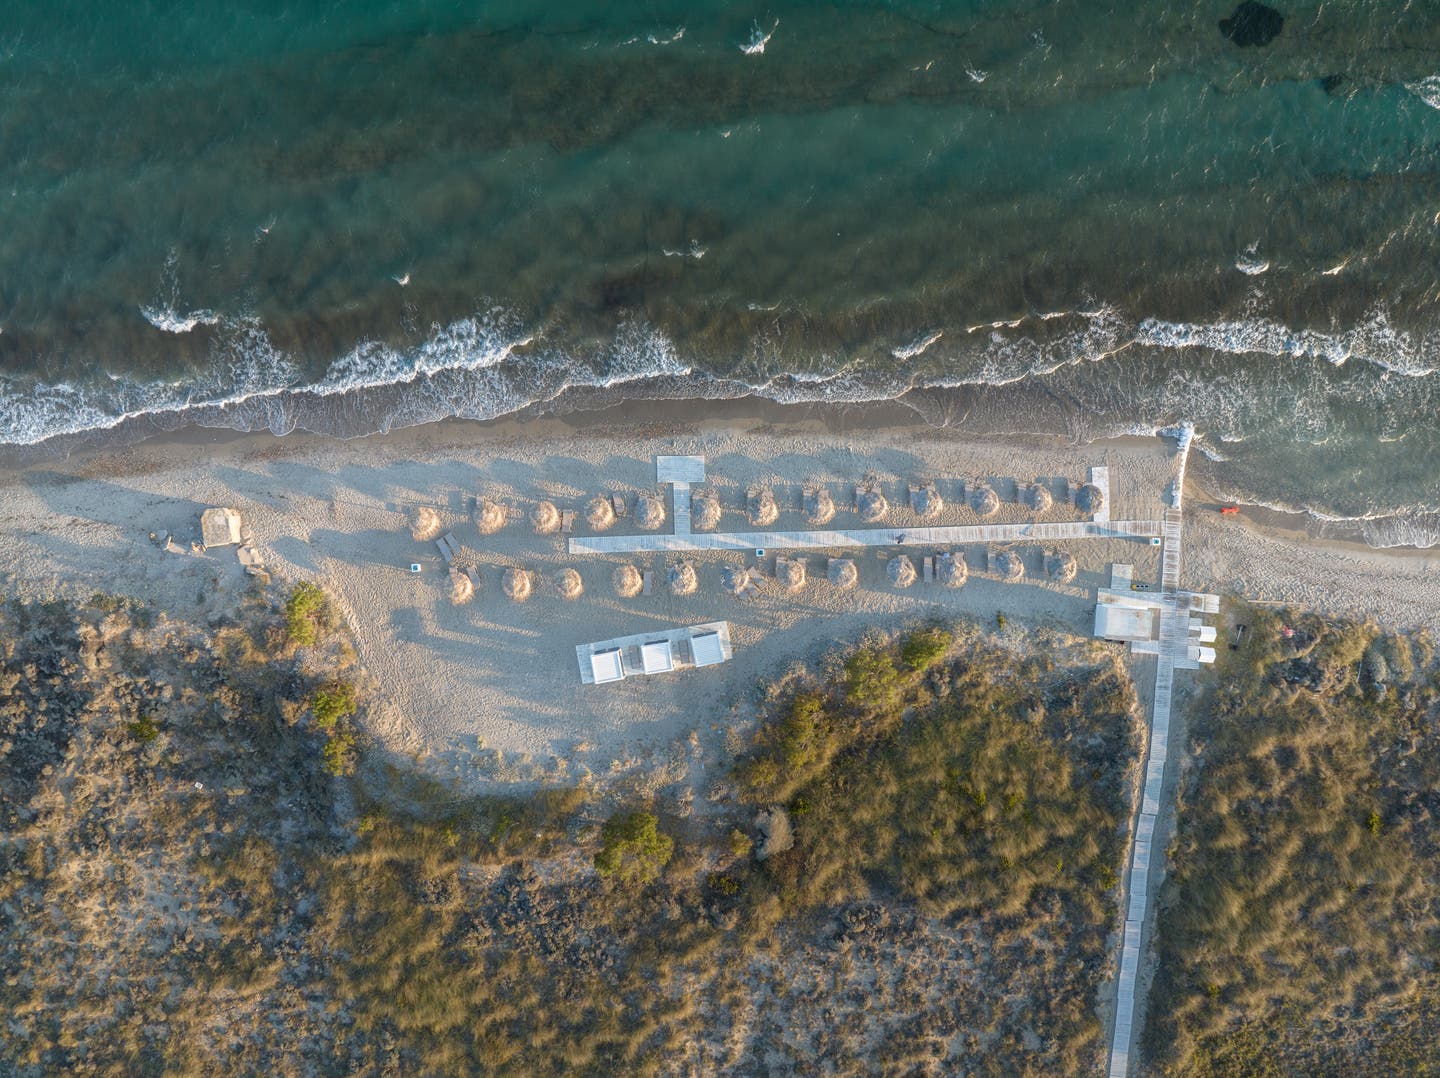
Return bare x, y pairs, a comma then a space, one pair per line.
864, 537
1173, 652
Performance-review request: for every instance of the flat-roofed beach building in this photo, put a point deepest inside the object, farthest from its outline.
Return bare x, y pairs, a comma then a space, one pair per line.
645, 654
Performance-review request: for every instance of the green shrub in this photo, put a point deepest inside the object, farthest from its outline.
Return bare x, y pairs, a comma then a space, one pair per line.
306, 613
339, 751
333, 703
871, 680
144, 729
740, 843
633, 850
726, 885
924, 648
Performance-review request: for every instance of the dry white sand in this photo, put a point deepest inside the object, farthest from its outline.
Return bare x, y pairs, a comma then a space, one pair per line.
489, 692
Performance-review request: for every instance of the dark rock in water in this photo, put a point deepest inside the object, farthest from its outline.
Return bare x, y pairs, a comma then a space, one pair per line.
1252, 24
1332, 83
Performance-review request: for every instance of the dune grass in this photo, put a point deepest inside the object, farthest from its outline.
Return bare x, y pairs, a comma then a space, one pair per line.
1300, 927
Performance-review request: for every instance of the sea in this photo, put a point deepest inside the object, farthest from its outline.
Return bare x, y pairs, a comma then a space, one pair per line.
1083, 219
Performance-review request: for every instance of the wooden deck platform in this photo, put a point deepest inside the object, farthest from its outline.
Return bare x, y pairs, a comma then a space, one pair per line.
865, 537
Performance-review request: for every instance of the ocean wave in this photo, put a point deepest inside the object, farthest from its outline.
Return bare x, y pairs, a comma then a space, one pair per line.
759, 38
492, 364
1427, 90
1374, 341
172, 321
1400, 526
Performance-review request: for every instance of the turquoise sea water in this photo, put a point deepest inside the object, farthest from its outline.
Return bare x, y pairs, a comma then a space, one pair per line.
1073, 217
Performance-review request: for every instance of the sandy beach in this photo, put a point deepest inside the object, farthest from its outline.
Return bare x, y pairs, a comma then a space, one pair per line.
489, 692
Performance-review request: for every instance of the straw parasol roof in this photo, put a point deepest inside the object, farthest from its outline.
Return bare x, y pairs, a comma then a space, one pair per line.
649, 511
1060, 565
569, 584
682, 579
1090, 499
791, 573
627, 581
704, 511
872, 505
517, 584
819, 506
926, 501
842, 573
545, 518
760, 503
599, 513
1038, 497
734, 579
425, 524
952, 571
489, 516
462, 588
984, 500
1009, 566
901, 570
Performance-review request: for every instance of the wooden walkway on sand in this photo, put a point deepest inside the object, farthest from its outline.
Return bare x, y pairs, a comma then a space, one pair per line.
866, 537
1173, 653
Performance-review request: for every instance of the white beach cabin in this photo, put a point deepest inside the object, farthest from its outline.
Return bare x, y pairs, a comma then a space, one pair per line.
605, 666
656, 657
707, 649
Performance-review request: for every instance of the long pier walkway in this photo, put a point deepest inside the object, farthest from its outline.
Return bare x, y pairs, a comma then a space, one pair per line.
1174, 645
865, 537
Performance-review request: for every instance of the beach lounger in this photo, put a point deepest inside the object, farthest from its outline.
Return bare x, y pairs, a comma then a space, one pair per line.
617, 502
929, 570
448, 547
567, 520
647, 578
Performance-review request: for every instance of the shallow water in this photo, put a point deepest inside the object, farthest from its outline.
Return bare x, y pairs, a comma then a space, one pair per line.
1070, 217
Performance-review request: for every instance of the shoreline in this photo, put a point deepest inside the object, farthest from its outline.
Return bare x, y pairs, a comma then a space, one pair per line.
679, 417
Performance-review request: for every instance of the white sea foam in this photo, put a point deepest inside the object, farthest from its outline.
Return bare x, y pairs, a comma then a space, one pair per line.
1250, 263
1374, 341
759, 38
1427, 90
172, 321
917, 346
695, 251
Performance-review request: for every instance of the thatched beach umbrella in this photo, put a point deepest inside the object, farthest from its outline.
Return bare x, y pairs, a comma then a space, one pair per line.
569, 584
704, 511
760, 503
1060, 565
517, 584
489, 516
842, 573
682, 579
984, 500
952, 571
1039, 498
545, 518
1009, 566
425, 524
791, 573
462, 588
1090, 499
819, 506
599, 513
926, 501
901, 570
734, 579
649, 511
627, 581
872, 505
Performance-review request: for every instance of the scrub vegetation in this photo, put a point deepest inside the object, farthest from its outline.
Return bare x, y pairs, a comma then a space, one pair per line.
1299, 930
190, 883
